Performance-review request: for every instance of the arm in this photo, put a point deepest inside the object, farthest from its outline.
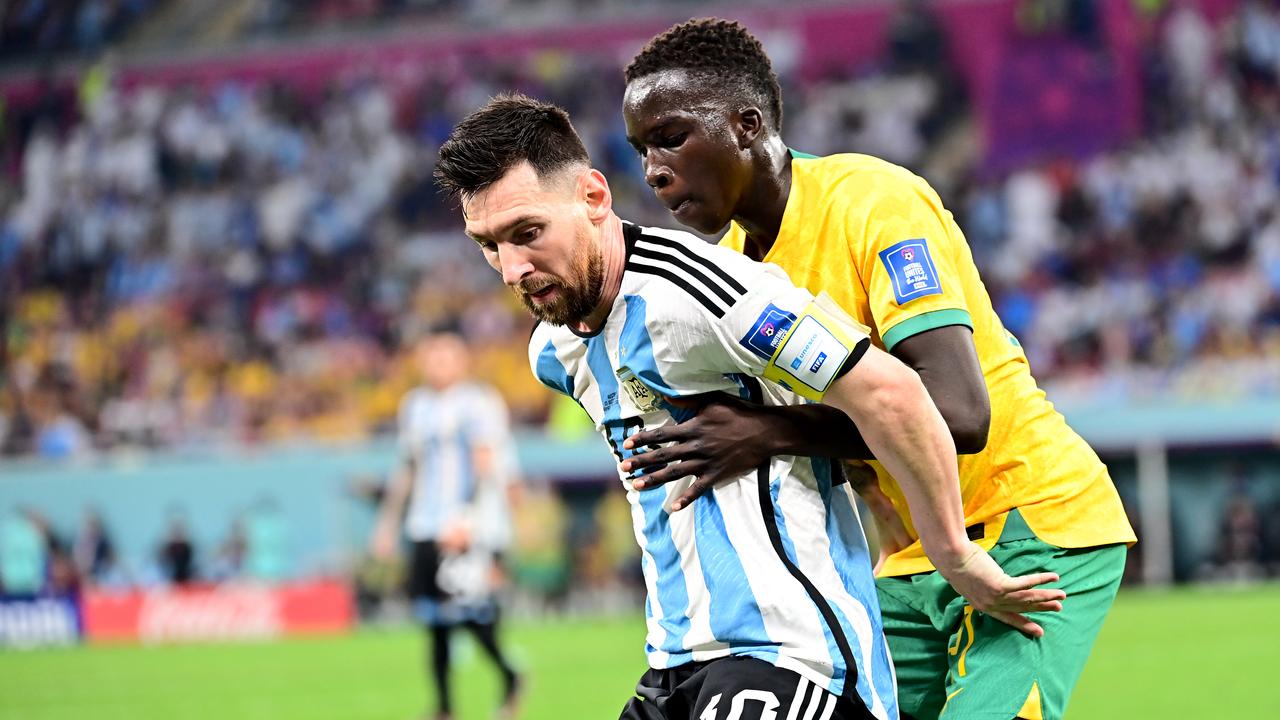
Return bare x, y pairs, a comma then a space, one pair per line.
947, 362
891, 406
386, 532
730, 436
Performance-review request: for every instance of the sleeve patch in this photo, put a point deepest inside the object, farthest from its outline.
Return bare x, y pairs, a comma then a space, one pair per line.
911, 270
768, 330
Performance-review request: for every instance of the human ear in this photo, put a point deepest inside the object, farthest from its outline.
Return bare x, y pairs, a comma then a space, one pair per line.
749, 123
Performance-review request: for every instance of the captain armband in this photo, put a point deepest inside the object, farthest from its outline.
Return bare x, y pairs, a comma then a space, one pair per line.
822, 344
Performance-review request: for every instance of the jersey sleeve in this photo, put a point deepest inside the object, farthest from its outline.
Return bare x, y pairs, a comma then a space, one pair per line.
774, 330
908, 263
487, 418
407, 441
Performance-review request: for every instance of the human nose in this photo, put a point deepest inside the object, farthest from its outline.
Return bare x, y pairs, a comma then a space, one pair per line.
656, 175
514, 264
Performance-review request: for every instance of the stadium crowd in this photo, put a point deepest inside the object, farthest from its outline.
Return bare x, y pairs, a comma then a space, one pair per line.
248, 263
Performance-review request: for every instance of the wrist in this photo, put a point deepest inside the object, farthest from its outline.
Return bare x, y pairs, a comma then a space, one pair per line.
949, 554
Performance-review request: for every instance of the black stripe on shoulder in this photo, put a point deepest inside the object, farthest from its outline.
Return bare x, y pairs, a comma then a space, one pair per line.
680, 282
698, 258
643, 250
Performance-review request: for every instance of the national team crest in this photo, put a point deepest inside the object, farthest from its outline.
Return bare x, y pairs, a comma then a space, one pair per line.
642, 396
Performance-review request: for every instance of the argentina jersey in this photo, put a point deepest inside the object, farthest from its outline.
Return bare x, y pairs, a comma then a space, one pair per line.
774, 565
439, 432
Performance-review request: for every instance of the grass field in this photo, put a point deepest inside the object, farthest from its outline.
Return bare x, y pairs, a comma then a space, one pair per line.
1206, 653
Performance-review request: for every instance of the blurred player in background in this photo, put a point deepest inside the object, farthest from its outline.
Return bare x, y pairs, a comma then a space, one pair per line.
457, 471
704, 110
761, 602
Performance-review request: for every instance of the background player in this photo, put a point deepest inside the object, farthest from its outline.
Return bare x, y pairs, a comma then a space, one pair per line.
704, 110
455, 441
633, 316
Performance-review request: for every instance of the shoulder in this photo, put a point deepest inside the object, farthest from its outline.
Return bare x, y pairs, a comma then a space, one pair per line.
414, 402
861, 180
711, 276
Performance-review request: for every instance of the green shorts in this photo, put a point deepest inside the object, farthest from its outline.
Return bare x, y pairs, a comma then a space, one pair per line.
955, 664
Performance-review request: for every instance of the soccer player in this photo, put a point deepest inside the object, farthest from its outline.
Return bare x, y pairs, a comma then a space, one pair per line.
761, 602
704, 110
454, 439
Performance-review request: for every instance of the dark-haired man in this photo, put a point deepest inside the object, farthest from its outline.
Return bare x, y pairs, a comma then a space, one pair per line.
760, 600
704, 110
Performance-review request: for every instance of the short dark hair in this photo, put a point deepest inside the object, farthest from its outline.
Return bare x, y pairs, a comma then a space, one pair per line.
723, 49
510, 128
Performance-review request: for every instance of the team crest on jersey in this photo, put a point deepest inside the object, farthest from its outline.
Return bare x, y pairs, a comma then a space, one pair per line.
911, 270
642, 396
768, 330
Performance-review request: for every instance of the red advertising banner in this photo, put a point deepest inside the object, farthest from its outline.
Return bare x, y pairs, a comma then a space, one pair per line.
218, 612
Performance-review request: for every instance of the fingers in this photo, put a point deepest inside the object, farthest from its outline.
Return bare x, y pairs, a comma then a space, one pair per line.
666, 475
661, 435
1039, 595
1026, 582
1020, 622
658, 456
697, 489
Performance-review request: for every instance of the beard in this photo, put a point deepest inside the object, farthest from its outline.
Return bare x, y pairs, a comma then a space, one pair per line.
579, 291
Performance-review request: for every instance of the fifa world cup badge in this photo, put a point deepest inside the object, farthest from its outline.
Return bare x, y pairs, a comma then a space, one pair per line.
645, 399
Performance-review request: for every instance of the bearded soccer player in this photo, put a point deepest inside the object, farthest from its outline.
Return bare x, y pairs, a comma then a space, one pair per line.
760, 599
704, 110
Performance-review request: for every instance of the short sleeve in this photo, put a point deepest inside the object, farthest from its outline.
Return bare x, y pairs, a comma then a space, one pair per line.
487, 417
908, 263
408, 440
775, 330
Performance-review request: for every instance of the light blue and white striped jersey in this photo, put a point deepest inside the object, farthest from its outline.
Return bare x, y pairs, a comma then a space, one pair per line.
773, 566
439, 432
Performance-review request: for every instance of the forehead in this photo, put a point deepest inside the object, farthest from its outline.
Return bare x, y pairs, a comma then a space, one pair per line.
668, 94
517, 194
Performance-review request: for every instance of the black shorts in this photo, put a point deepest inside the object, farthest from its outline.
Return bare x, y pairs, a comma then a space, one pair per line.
739, 688
424, 569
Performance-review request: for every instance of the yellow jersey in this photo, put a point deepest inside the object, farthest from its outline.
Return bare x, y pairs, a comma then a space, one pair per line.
876, 238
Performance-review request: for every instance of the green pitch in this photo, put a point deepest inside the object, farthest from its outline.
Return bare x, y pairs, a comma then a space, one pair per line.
1205, 653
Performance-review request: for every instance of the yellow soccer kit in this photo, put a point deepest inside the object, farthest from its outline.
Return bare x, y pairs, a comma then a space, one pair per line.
876, 238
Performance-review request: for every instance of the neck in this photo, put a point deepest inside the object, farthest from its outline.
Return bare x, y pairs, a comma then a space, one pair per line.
613, 248
760, 212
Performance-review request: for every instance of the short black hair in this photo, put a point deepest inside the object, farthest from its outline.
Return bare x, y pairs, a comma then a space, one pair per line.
510, 128
723, 49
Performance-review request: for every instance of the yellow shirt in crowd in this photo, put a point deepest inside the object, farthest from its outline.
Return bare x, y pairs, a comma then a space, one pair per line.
876, 238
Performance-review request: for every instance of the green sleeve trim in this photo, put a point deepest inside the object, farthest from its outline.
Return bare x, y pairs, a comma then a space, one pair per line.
926, 321
801, 155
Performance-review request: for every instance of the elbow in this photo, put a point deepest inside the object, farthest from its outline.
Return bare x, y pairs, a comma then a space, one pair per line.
969, 427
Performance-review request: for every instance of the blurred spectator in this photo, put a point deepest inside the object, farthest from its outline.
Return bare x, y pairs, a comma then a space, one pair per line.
93, 551
177, 553
23, 556
244, 263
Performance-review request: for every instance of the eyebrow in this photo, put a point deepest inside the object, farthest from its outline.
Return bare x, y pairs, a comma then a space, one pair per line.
503, 228
660, 125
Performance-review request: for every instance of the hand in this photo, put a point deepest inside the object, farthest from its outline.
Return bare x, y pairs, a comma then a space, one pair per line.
455, 538
385, 542
726, 439
975, 575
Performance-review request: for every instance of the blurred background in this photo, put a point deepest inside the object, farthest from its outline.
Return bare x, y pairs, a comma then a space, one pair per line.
219, 241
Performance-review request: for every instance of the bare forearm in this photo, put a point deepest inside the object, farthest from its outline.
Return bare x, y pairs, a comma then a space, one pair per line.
813, 431
911, 440
909, 437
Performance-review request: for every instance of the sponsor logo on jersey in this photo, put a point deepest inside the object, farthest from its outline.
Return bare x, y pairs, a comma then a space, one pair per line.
911, 270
